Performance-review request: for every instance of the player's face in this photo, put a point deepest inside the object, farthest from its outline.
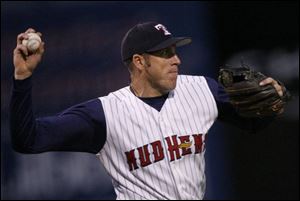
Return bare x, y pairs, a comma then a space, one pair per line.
162, 69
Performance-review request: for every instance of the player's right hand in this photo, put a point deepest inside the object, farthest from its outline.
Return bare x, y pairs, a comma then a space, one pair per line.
24, 61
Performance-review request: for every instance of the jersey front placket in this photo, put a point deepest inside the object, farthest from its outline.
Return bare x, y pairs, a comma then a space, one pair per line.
153, 134
163, 134
176, 132
185, 119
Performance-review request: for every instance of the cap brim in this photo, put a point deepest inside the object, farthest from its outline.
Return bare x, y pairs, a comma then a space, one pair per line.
179, 41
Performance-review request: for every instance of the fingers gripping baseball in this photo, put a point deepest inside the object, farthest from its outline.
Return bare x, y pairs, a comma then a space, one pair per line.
28, 53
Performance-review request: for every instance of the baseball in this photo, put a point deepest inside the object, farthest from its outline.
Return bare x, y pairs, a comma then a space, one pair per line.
33, 42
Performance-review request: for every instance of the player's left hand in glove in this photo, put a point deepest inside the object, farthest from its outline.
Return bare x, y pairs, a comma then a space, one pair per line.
252, 93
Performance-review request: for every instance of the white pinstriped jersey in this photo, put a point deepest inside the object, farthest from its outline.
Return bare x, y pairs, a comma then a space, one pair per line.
154, 154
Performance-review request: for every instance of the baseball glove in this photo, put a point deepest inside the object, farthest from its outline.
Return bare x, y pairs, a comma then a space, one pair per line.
247, 96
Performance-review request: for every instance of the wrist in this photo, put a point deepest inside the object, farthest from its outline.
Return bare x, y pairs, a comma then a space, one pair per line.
22, 75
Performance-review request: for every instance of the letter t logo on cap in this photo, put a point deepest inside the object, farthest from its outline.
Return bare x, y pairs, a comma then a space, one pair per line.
162, 27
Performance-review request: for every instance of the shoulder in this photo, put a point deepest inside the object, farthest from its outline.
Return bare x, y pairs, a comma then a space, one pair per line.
86, 105
118, 95
91, 108
182, 79
204, 80
213, 85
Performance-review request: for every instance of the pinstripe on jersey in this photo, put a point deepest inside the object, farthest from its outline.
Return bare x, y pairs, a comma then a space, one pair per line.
154, 154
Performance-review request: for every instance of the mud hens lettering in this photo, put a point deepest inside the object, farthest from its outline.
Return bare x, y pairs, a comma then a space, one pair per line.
178, 146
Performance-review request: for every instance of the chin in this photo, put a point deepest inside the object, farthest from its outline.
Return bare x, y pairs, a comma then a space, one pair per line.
168, 85
172, 85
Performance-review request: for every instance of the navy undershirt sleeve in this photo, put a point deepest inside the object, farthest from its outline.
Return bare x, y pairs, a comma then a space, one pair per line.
80, 128
228, 114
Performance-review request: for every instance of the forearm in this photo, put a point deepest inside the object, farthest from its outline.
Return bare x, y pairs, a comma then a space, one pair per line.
80, 128
22, 122
228, 115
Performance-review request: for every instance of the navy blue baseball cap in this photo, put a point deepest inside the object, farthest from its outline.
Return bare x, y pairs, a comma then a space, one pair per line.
149, 37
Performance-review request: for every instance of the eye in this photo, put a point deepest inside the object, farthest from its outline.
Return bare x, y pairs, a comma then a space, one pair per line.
165, 53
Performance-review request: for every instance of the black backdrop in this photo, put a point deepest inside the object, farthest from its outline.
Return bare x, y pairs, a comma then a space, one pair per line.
239, 166
265, 165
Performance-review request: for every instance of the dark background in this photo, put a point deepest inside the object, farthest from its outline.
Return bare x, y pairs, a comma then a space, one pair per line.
82, 61
265, 165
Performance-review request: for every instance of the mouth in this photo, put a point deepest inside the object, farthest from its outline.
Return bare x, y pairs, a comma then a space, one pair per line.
173, 75
174, 71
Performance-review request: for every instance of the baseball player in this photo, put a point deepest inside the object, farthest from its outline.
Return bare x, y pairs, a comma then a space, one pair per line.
150, 135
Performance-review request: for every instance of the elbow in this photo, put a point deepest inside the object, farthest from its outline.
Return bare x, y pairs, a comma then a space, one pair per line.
21, 141
23, 149
19, 149
19, 145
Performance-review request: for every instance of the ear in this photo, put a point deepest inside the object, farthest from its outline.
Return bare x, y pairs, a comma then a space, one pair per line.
139, 61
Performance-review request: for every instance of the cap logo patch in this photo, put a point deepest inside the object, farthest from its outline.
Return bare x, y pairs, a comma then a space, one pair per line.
162, 27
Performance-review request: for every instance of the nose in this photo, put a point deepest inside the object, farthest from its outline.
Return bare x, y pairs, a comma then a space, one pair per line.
176, 60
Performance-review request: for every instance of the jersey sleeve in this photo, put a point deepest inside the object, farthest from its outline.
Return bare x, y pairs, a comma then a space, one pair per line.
228, 114
81, 128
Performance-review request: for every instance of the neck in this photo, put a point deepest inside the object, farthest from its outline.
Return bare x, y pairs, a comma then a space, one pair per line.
142, 88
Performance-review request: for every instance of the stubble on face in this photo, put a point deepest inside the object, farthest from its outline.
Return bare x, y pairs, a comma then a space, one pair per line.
161, 75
